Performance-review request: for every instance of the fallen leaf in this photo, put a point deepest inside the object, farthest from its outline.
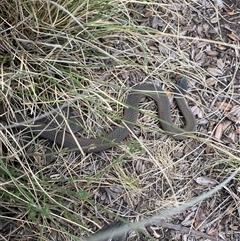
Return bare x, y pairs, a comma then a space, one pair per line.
235, 110
220, 64
212, 53
221, 47
215, 71
203, 121
231, 13
201, 45
197, 111
234, 227
208, 149
213, 231
211, 81
215, 20
233, 36
198, 56
219, 131
148, 14
223, 106
226, 124
199, 215
206, 27
188, 219
200, 30
234, 114
205, 181
232, 136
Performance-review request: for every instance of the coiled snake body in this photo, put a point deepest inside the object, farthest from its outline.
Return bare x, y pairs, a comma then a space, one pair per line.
129, 119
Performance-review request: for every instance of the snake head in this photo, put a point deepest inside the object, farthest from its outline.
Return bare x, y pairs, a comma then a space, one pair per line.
182, 86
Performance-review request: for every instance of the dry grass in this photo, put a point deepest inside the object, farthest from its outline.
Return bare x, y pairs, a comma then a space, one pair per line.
89, 54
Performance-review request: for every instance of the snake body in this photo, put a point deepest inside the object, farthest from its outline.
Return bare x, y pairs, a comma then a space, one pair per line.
130, 115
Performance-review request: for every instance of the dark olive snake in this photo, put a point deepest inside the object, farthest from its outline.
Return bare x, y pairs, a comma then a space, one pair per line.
130, 115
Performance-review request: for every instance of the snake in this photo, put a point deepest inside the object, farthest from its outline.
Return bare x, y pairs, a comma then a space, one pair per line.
130, 115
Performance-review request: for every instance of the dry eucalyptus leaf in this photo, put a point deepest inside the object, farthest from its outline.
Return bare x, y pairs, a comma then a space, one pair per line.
219, 131
234, 114
215, 20
232, 136
226, 124
201, 45
148, 14
221, 128
197, 111
212, 53
200, 30
234, 227
233, 36
213, 231
224, 106
198, 56
206, 27
232, 13
220, 64
116, 189
221, 47
215, 71
156, 22
211, 81
203, 121
188, 219
140, 167
206, 181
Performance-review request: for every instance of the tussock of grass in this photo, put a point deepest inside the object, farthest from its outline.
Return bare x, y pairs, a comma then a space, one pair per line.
89, 54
